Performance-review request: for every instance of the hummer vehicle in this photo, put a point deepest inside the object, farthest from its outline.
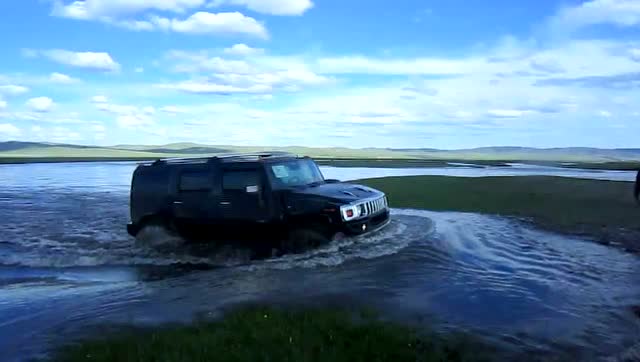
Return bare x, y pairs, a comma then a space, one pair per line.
251, 196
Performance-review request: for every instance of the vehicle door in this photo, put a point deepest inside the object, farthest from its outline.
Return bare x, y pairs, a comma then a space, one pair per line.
243, 194
196, 198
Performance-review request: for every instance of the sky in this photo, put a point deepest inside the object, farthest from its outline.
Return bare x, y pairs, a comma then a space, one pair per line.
323, 73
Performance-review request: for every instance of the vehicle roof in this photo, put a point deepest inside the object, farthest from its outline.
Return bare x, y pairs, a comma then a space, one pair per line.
261, 157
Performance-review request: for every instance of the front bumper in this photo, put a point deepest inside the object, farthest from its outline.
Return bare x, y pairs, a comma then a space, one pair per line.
369, 224
132, 229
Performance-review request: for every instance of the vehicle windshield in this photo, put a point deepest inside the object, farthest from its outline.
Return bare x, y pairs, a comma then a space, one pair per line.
295, 173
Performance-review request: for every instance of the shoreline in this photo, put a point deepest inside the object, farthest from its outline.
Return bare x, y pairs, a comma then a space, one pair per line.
359, 162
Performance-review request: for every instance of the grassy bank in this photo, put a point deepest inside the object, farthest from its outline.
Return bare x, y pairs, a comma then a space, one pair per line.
602, 210
268, 334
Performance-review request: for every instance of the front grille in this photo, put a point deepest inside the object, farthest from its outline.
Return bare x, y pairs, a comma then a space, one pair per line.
373, 207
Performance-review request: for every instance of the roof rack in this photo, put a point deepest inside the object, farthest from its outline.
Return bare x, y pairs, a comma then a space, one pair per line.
247, 156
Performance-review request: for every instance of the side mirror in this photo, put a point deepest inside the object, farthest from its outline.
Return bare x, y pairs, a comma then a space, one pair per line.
252, 189
332, 181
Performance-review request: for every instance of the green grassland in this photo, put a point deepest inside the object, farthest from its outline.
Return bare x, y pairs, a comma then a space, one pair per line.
269, 334
601, 210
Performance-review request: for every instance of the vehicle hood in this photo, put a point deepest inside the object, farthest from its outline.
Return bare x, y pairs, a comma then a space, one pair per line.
343, 193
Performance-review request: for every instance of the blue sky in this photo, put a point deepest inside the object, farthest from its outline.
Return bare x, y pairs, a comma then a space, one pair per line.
409, 73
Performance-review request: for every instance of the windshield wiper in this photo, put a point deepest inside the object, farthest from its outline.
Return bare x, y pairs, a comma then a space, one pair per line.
315, 183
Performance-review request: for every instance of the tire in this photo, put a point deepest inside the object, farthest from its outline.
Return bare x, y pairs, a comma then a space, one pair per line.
301, 239
158, 231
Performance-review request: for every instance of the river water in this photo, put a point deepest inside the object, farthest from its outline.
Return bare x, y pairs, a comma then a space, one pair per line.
67, 265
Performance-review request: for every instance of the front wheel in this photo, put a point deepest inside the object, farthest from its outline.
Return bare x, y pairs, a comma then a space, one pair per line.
305, 238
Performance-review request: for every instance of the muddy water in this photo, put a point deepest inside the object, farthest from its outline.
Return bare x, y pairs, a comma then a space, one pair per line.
66, 265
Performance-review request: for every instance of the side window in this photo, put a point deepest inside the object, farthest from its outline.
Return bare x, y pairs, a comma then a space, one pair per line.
239, 180
195, 181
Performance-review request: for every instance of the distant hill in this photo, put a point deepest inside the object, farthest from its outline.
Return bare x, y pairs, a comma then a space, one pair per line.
569, 154
16, 145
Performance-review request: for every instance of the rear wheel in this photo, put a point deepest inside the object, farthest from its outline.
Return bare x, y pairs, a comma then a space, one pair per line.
158, 231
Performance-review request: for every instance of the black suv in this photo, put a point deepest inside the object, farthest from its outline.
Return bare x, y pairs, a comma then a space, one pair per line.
255, 195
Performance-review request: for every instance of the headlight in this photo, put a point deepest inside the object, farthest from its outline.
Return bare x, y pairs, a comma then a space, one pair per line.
350, 212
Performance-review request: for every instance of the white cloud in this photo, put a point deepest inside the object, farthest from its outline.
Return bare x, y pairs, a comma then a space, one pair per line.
62, 134
263, 97
99, 61
36, 129
251, 75
99, 99
368, 65
98, 128
243, 50
635, 54
195, 62
139, 70
13, 90
622, 13
24, 116
507, 113
462, 114
272, 7
500, 83
49, 117
9, 130
135, 25
510, 60
134, 121
127, 116
29, 53
605, 114
117, 108
3, 104
62, 79
291, 78
213, 23
121, 13
93, 9
213, 88
40, 104
173, 109
74, 10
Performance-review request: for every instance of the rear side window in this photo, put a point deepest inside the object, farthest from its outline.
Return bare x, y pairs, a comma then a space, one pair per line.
195, 181
239, 180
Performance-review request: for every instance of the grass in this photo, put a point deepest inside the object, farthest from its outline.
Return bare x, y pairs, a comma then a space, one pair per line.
271, 334
603, 210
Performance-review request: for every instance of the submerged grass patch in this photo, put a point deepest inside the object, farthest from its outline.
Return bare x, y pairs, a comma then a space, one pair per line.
604, 210
273, 334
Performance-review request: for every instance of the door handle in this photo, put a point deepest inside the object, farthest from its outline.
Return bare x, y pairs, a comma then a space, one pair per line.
177, 202
225, 203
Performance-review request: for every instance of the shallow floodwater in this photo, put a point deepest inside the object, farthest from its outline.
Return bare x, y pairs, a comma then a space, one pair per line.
67, 264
